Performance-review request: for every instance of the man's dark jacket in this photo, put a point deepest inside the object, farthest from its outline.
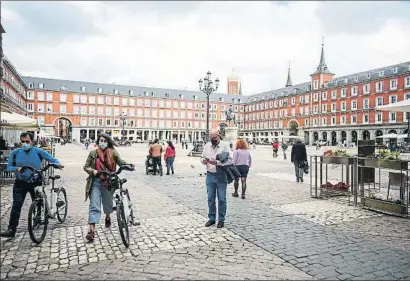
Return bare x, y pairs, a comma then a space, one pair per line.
227, 173
298, 152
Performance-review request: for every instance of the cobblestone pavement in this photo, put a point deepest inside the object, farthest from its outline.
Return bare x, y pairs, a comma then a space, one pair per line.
278, 232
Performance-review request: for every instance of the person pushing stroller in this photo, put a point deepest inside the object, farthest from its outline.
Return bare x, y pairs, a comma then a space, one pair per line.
155, 152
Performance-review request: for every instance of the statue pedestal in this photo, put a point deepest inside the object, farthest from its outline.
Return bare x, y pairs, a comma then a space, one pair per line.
231, 134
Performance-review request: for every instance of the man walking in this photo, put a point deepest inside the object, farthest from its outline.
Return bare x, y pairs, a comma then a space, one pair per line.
214, 184
155, 151
298, 156
27, 155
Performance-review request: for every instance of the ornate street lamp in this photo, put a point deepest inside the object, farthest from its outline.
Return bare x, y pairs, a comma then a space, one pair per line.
123, 118
207, 86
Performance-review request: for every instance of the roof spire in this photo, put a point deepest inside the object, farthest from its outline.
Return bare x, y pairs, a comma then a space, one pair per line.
322, 67
289, 81
240, 89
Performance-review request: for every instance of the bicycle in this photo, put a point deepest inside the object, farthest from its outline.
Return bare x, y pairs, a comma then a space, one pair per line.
40, 209
123, 204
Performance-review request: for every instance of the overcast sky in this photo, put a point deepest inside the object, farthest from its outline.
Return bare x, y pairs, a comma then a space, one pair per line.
173, 44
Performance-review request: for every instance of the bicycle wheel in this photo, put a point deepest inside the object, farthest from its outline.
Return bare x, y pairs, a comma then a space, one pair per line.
123, 225
37, 221
62, 205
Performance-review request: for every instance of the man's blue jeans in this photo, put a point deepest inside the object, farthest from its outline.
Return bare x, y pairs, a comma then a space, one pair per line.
213, 188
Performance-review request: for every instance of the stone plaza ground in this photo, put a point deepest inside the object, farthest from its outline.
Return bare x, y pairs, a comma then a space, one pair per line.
277, 232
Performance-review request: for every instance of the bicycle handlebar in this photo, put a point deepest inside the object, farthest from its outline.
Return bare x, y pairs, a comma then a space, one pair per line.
116, 173
31, 168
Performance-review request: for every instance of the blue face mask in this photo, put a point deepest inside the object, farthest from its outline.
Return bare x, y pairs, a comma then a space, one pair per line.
26, 146
103, 145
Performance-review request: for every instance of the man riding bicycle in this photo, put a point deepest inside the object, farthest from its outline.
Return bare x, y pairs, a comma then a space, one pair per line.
27, 155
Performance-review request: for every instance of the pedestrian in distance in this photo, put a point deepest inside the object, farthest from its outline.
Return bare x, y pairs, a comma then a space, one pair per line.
215, 184
298, 157
275, 148
104, 158
284, 148
169, 157
27, 155
242, 159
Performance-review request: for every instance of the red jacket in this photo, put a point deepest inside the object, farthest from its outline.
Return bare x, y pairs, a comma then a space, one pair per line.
169, 152
275, 145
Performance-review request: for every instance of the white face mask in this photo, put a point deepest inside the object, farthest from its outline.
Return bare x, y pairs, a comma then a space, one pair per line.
103, 145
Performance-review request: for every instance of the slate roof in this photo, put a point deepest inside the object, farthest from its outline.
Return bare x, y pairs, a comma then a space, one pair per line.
356, 78
137, 91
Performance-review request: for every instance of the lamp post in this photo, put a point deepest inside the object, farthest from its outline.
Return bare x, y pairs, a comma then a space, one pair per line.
123, 117
207, 86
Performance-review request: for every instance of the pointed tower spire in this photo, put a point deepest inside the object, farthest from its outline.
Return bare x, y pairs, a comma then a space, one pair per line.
240, 89
289, 82
322, 67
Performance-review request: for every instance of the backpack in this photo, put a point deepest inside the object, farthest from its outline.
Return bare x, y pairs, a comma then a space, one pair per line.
284, 146
18, 150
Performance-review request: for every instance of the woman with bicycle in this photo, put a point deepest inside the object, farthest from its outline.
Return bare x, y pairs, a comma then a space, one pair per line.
104, 158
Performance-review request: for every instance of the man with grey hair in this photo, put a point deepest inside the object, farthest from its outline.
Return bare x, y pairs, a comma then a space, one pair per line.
214, 184
298, 156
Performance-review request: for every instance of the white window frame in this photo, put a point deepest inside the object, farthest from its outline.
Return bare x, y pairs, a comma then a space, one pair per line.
393, 84
390, 98
407, 82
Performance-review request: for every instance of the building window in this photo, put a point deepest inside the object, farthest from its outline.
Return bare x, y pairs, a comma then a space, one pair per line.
356, 78
30, 95
41, 86
334, 94
49, 96
354, 105
366, 89
116, 91
343, 106
368, 75
366, 104
365, 119
324, 121
381, 73
378, 117
30, 107
116, 101
83, 99
379, 87
100, 90
393, 84
354, 91
63, 98
333, 107
353, 119
343, 120
333, 120
131, 92
83, 109
395, 70
91, 100
344, 93
379, 101
393, 99
315, 84
63, 108
76, 99
84, 121
392, 117
82, 89
407, 82
40, 96
49, 108
324, 108
31, 85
